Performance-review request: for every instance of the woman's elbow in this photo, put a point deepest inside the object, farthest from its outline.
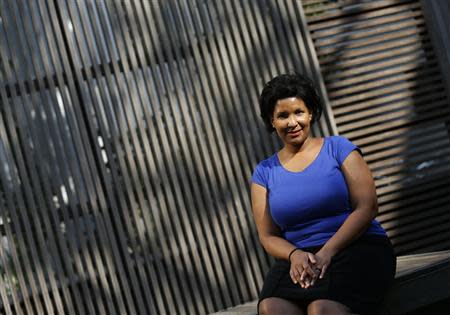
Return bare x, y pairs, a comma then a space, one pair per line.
372, 212
265, 240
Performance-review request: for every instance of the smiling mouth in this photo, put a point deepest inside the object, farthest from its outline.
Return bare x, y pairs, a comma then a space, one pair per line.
294, 133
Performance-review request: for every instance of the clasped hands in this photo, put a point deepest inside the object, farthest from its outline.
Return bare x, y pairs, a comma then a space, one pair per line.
307, 267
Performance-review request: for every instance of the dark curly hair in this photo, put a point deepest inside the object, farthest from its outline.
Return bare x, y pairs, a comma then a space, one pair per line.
289, 85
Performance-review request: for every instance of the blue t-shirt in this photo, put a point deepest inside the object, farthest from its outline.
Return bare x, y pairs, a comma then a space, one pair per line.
311, 205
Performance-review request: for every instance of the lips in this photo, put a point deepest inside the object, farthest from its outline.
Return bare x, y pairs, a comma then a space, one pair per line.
294, 133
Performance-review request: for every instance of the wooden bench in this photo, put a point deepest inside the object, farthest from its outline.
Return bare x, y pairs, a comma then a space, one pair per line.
420, 280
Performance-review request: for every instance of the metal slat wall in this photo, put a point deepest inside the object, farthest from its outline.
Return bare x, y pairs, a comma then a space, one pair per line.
436, 15
128, 134
388, 95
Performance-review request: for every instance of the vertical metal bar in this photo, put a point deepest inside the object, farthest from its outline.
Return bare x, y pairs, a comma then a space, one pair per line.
5, 218
5, 307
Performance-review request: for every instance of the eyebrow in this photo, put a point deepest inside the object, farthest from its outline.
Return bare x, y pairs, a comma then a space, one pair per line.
285, 111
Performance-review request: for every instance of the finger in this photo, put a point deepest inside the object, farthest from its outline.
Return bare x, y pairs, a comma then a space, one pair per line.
296, 275
291, 274
303, 282
310, 272
324, 269
317, 272
296, 272
306, 278
312, 258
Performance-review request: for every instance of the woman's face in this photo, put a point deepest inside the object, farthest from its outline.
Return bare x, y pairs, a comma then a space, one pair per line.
291, 120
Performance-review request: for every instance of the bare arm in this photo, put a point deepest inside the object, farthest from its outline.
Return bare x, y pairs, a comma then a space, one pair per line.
271, 239
268, 232
364, 204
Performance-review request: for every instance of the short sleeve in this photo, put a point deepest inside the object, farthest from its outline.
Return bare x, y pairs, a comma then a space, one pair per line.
260, 175
342, 148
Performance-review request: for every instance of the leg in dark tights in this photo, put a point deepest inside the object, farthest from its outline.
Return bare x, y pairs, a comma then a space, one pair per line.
327, 307
279, 306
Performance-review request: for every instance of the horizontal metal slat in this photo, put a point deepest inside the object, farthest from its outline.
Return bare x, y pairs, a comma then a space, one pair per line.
404, 92
411, 206
419, 57
319, 7
385, 108
399, 54
412, 110
364, 12
392, 80
391, 94
391, 187
362, 29
346, 55
400, 121
393, 72
405, 146
422, 210
443, 243
420, 228
387, 183
410, 154
438, 183
376, 140
373, 36
422, 238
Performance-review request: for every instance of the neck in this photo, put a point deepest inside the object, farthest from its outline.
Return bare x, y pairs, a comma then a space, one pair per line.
293, 149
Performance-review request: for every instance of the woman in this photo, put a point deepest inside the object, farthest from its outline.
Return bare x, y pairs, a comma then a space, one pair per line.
314, 204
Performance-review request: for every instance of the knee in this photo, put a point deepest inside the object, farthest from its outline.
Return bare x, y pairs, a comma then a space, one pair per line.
278, 306
267, 307
326, 307
317, 308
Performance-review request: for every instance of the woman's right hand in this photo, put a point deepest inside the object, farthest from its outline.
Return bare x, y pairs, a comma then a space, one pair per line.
302, 268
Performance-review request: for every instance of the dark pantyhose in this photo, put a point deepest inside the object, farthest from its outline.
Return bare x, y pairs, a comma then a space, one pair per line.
279, 306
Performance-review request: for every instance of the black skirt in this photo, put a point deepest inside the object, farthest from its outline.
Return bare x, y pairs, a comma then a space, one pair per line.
357, 277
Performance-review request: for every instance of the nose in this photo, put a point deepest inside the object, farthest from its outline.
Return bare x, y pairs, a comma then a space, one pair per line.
292, 121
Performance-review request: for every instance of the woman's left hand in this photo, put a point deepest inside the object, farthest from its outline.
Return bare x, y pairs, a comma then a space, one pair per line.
323, 260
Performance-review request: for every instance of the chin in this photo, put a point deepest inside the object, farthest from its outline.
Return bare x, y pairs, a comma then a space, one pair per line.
296, 141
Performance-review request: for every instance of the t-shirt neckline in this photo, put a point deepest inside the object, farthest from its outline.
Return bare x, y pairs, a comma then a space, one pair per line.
308, 166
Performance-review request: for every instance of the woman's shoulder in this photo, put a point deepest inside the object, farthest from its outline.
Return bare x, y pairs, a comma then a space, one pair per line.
341, 147
336, 142
267, 162
261, 173
337, 139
